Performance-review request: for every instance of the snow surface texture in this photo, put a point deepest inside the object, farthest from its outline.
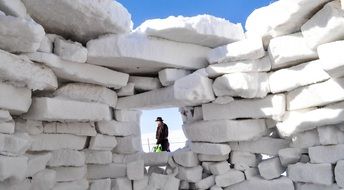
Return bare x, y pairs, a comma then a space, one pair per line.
70, 99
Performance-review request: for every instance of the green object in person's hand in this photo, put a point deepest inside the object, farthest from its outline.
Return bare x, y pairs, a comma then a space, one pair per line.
157, 148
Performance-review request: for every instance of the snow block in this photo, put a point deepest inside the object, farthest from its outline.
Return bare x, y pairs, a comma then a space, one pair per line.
193, 174
185, 158
70, 51
188, 91
13, 167
290, 50
14, 8
142, 84
54, 109
43, 180
137, 53
74, 128
229, 178
74, 185
204, 30
23, 71
14, 145
271, 168
128, 115
311, 173
246, 66
274, 106
67, 174
97, 157
211, 149
243, 160
264, 145
121, 184
245, 85
51, 142
135, 170
326, 154
256, 183
101, 184
116, 128
290, 155
91, 19
95, 171
330, 17
246, 49
261, 23
16, 100
219, 168
339, 173
20, 35
81, 72
128, 145
310, 186
206, 183
102, 142
331, 58
298, 121
36, 162
305, 139
303, 74
155, 159
167, 77
331, 135
66, 157
218, 131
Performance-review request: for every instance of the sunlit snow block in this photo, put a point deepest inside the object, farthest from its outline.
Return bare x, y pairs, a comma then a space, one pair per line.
188, 91
87, 93
128, 145
218, 131
245, 85
70, 51
311, 173
22, 71
20, 35
261, 23
204, 30
270, 106
331, 20
137, 53
44, 142
155, 159
185, 158
303, 120
118, 128
14, 8
90, 19
102, 142
332, 59
74, 128
53, 109
81, 72
246, 66
66, 157
97, 156
271, 168
17, 100
257, 183
191, 174
264, 145
142, 84
229, 178
316, 95
247, 49
101, 171
300, 75
210, 148
168, 76
290, 50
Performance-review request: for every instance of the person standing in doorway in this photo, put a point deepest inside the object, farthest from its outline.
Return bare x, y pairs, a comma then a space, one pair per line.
162, 134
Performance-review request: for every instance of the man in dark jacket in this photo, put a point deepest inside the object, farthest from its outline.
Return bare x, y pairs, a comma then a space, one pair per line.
162, 134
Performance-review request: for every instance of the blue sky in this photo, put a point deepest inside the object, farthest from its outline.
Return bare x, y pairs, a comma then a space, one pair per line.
232, 10
235, 11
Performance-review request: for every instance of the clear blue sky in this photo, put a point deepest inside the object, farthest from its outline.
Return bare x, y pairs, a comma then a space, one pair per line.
232, 10
235, 11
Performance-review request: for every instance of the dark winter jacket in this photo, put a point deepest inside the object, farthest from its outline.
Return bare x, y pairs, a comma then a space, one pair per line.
161, 133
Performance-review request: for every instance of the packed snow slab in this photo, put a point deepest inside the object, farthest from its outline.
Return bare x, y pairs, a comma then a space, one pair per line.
331, 20
142, 84
191, 90
17, 100
23, 71
225, 130
204, 30
271, 106
70, 51
168, 76
247, 66
326, 154
49, 142
81, 72
302, 75
308, 119
311, 173
332, 59
137, 53
14, 8
90, 18
87, 93
290, 50
257, 183
326, 92
53, 109
264, 145
245, 85
246, 49
210, 148
19, 34
291, 16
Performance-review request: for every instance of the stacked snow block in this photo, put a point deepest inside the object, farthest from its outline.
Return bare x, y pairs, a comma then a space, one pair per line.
261, 110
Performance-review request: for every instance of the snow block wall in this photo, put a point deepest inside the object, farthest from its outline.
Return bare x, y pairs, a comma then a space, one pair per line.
262, 109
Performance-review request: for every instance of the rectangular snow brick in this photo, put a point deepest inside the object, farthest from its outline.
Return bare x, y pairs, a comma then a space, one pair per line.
311, 173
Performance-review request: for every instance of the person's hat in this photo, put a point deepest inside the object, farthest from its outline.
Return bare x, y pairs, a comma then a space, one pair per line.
159, 119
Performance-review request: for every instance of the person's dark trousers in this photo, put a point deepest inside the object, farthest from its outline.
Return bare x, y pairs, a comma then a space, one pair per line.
165, 145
